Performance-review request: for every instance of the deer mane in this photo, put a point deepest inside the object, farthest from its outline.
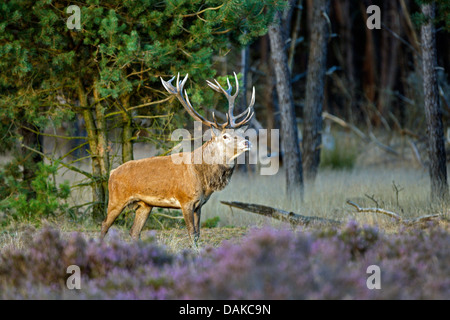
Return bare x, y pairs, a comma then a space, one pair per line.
213, 177
213, 173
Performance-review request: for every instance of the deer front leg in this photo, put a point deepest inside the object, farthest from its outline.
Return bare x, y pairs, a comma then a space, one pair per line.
189, 217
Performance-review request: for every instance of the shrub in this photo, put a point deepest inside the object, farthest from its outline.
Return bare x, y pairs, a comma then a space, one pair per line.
267, 264
47, 199
341, 155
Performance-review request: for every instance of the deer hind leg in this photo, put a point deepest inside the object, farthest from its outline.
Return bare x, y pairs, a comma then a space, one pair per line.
142, 214
197, 215
113, 212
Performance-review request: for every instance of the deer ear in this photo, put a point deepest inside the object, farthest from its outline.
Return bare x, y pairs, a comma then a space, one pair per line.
215, 132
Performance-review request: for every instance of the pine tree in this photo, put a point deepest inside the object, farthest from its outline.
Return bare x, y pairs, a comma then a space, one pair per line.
108, 72
433, 111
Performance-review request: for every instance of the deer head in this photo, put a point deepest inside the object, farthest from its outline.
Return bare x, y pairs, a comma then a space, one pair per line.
227, 141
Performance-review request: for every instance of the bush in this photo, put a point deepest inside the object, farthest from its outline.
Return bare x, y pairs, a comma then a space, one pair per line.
341, 153
44, 200
267, 264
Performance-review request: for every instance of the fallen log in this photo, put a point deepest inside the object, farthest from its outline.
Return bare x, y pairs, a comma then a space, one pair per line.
286, 216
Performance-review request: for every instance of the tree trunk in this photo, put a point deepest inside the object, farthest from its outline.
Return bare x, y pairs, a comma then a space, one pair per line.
245, 66
127, 132
389, 53
102, 147
315, 83
369, 73
295, 34
269, 94
30, 159
98, 190
292, 159
343, 12
433, 112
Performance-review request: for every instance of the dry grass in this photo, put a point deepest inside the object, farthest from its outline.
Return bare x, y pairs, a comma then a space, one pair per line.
328, 195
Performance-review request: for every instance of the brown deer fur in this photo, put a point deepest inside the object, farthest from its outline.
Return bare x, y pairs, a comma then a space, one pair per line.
162, 182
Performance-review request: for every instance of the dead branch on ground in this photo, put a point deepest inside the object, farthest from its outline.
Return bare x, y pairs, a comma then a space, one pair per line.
394, 215
298, 219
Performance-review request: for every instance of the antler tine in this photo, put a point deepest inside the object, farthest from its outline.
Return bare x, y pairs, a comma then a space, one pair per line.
252, 102
237, 85
178, 92
231, 119
213, 86
168, 85
248, 112
194, 114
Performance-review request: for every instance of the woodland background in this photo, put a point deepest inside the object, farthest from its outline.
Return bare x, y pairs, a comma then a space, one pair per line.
363, 117
96, 91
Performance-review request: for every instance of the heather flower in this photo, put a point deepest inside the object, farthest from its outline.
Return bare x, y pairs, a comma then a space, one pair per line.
268, 263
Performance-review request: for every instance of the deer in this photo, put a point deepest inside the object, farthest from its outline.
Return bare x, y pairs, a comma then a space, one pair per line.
160, 182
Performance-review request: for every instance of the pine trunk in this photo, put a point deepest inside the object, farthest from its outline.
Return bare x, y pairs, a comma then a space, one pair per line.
433, 112
292, 160
102, 149
127, 132
30, 159
98, 191
315, 84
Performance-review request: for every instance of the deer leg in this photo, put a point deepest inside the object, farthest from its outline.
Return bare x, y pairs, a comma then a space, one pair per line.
142, 214
197, 214
113, 212
188, 214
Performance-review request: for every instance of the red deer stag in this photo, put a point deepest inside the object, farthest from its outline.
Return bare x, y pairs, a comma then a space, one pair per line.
160, 182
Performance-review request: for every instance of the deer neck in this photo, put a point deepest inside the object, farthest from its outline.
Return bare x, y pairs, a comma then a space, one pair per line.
214, 171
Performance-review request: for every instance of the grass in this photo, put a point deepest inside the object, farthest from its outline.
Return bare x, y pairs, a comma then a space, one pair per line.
325, 198
328, 195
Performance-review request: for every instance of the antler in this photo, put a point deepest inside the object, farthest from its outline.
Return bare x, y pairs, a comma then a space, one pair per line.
178, 92
230, 117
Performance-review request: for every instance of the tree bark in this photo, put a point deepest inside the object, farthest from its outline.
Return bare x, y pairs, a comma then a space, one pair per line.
433, 111
30, 159
369, 73
343, 12
245, 66
389, 53
127, 132
98, 188
312, 114
269, 94
102, 148
292, 159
